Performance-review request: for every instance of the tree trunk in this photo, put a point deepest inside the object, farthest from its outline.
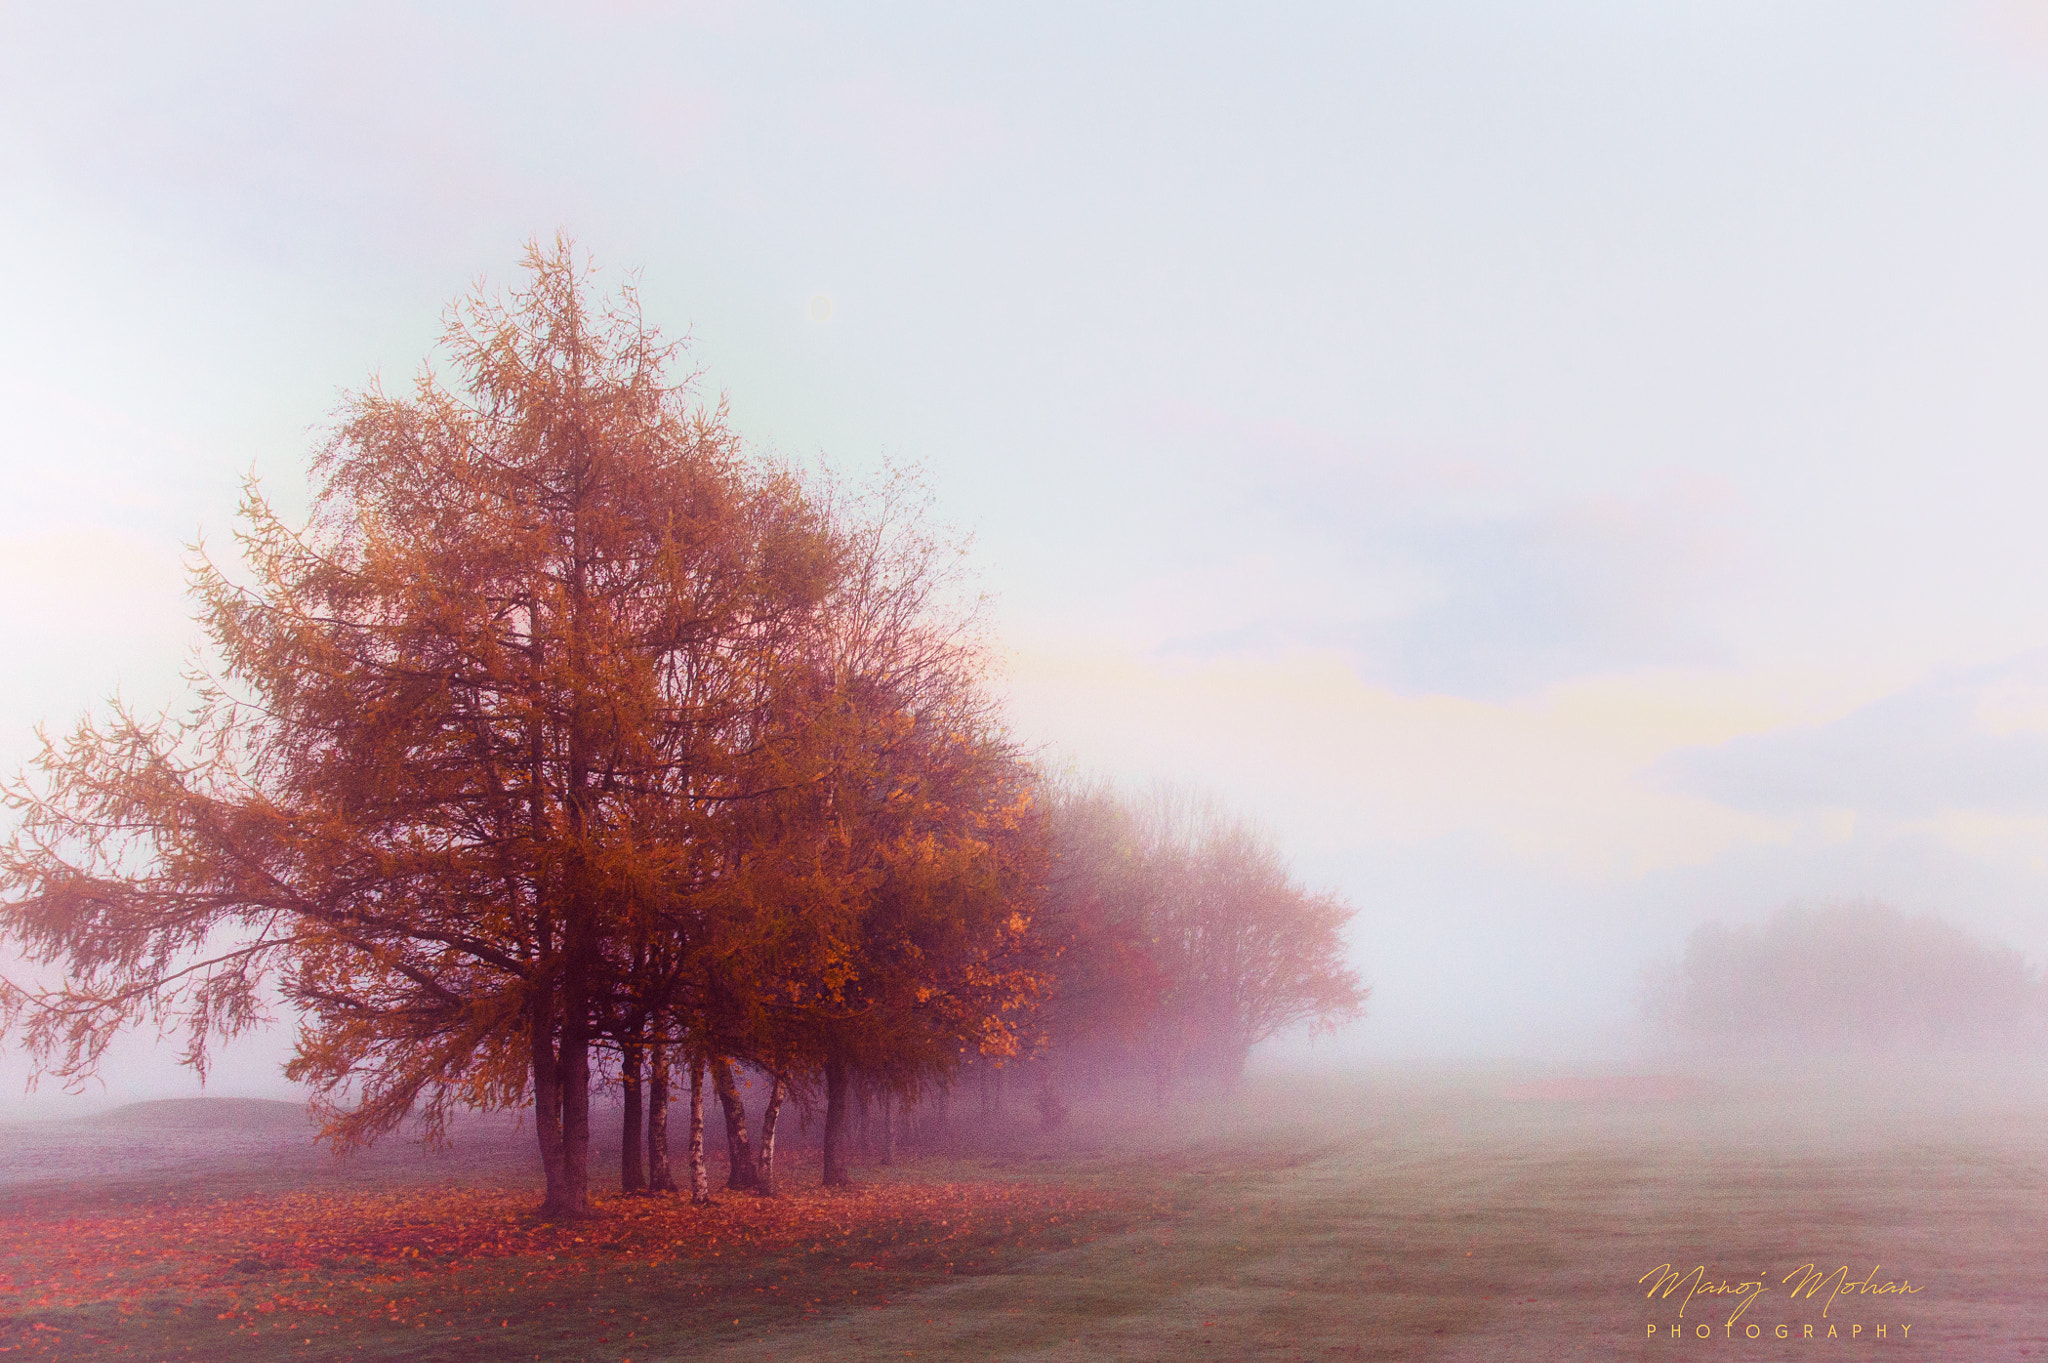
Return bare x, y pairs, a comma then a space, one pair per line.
700, 1180
582, 956
632, 1173
660, 1178
739, 1154
575, 1071
888, 1105
547, 1104
835, 1124
766, 1182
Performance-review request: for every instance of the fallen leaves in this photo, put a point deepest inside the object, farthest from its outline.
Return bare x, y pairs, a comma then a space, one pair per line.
334, 1264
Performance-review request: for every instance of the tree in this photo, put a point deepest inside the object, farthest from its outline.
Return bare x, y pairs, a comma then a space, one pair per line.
1848, 976
1181, 941
903, 846
1248, 952
946, 867
449, 710
1105, 985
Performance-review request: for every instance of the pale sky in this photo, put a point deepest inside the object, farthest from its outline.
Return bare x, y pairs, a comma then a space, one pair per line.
1571, 470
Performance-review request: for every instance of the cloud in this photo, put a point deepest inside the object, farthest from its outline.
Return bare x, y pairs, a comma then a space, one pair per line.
1342, 762
1580, 589
1974, 741
1491, 608
1432, 568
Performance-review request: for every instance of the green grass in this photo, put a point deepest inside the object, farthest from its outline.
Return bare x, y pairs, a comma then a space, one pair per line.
1384, 1219
1434, 1220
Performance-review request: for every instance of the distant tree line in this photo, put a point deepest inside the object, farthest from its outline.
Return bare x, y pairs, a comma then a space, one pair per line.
1859, 975
565, 745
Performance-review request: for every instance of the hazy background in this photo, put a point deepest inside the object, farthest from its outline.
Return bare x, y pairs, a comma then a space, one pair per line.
1572, 475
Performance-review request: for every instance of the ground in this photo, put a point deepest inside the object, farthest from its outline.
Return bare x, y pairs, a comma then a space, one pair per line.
1382, 1216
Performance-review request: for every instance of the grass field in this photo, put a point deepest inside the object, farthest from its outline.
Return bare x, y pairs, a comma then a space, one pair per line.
1476, 1216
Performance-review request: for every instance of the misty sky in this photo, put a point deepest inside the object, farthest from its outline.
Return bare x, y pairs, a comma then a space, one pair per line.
1571, 474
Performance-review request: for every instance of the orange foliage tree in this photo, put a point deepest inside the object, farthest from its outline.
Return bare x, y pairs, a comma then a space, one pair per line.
904, 862
522, 746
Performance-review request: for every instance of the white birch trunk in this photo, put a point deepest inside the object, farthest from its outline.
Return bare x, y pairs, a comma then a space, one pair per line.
700, 1178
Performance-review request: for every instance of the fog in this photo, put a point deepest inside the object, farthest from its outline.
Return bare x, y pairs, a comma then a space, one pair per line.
1572, 476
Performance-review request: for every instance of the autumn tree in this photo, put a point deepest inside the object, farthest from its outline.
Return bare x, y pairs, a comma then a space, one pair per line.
1180, 940
1248, 950
946, 837
940, 963
1105, 986
902, 850
418, 790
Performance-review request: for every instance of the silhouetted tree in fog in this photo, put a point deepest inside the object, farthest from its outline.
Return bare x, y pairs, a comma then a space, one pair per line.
1181, 941
1246, 950
1854, 975
1104, 986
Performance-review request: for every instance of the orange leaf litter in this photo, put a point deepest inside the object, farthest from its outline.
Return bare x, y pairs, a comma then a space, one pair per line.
124, 1253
